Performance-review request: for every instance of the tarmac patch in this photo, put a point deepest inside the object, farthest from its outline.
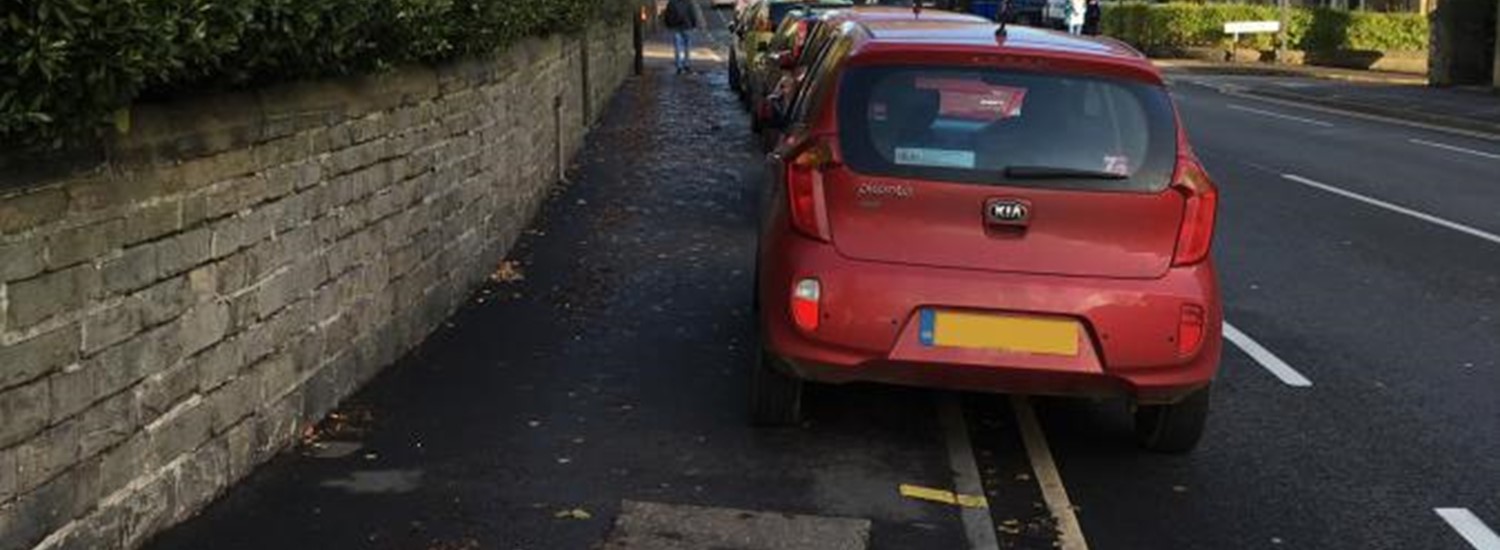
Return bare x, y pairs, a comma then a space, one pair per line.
655, 526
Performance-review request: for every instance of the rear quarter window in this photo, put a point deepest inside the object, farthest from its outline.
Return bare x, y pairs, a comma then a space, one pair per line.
970, 125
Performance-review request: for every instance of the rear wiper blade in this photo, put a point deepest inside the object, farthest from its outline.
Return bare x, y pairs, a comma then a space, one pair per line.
1052, 172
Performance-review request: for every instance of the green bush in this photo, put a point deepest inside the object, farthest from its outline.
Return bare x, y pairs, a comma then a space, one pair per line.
68, 68
1171, 27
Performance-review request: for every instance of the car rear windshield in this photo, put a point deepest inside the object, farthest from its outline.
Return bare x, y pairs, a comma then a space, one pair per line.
999, 127
780, 10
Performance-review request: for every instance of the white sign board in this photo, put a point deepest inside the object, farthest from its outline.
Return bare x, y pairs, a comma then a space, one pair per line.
1248, 27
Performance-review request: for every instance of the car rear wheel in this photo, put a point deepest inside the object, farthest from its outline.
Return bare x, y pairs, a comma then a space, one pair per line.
775, 396
1174, 428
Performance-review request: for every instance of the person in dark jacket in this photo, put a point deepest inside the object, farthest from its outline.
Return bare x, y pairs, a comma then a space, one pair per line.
1091, 15
682, 16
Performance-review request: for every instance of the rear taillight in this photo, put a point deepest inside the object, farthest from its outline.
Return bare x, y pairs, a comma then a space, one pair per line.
804, 188
806, 307
1190, 330
1201, 204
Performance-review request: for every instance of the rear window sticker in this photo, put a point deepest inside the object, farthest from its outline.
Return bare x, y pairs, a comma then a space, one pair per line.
1117, 164
943, 158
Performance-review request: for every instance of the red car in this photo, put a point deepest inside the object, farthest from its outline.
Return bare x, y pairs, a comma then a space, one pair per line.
984, 208
799, 44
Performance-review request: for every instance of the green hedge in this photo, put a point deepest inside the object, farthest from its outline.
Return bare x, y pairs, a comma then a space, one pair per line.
1158, 28
68, 68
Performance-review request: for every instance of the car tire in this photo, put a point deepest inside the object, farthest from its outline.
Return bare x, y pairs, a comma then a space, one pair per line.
1174, 428
775, 396
734, 74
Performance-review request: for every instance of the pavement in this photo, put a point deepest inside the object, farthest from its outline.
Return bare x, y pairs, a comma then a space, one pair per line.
1390, 95
594, 395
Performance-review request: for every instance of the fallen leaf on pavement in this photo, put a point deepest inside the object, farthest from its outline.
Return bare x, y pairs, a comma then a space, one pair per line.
507, 272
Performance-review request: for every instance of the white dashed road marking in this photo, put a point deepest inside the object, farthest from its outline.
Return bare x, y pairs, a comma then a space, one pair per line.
1069, 532
1470, 528
1455, 148
1491, 237
1274, 114
1270, 361
978, 526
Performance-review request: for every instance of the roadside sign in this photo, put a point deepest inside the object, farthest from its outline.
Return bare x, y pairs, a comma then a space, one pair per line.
1249, 27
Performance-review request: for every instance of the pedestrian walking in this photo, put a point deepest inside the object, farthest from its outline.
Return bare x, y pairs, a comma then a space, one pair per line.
1073, 13
682, 17
1092, 13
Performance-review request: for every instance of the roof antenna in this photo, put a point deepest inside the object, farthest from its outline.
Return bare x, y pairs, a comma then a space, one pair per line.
1004, 16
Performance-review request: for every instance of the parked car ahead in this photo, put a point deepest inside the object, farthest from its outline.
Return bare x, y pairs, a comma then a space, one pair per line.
755, 25
1016, 212
796, 52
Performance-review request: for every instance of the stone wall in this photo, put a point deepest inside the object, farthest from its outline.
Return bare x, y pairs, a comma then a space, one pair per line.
177, 313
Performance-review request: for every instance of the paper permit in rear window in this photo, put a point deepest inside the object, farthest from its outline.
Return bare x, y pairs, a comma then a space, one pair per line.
942, 158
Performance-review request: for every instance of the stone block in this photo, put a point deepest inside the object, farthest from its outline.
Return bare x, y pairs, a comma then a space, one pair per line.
106, 424
28, 210
179, 431
30, 359
125, 462
274, 293
240, 231
81, 244
20, 260
8, 474
218, 364
110, 326
152, 222
240, 441
234, 401
200, 478
146, 511
26, 410
159, 392
203, 326
35, 300
185, 251
135, 268
112, 370
42, 457
163, 301
33, 515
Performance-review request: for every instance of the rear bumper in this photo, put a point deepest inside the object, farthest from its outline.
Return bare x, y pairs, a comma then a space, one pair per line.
868, 329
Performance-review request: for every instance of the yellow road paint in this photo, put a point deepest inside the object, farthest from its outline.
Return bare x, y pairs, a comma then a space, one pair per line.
942, 496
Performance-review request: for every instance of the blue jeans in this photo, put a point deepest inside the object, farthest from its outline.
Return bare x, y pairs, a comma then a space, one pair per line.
682, 49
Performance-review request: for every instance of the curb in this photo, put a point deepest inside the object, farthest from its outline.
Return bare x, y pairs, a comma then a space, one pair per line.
1431, 119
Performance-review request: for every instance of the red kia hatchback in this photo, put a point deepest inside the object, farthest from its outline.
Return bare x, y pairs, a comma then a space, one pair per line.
969, 207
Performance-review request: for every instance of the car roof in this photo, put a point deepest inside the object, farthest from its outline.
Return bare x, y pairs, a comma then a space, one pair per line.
944, 32
898, 14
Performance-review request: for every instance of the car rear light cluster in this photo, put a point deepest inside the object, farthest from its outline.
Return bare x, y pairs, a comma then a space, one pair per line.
804, 188
1190, 330
807, 295
1195, 237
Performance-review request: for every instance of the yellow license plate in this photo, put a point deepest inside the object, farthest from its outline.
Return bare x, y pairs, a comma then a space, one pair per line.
999, 332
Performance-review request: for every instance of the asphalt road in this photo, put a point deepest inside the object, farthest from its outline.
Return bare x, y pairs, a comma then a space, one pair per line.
1362, 255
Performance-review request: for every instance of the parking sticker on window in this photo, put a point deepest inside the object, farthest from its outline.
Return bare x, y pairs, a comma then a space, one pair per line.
942, 158
1117, 164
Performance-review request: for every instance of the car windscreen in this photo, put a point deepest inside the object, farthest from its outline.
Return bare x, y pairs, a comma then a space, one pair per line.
1003, 127
780, 10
